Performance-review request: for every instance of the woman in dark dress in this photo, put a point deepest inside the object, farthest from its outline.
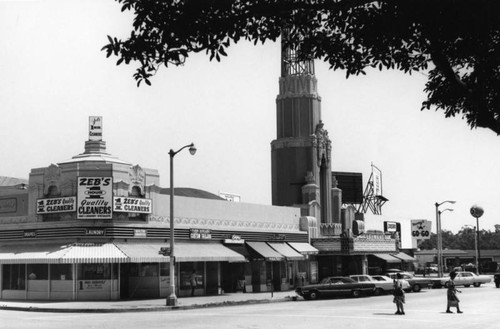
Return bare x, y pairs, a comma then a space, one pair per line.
451, 294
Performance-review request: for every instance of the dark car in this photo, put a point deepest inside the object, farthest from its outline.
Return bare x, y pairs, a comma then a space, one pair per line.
496, 278
335, 286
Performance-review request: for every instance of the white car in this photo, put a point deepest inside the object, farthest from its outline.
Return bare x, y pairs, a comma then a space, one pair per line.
467, 279
383, 284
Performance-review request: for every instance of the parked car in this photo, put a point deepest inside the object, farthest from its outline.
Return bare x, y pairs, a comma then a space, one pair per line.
335, 286
383, 284
466, 279
406, 284
497, 279
416, 284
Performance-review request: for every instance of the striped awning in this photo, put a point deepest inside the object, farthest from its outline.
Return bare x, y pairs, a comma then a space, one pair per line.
268, 253
93, 253
286, 250
31, 254
404, 257
143, 252
388, 258
304, 248
206, 252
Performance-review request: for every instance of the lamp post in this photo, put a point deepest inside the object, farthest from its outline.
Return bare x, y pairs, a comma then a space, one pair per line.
172, 298
439, 239
477, 211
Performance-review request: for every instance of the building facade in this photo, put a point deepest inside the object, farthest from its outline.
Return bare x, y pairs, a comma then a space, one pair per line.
97, 228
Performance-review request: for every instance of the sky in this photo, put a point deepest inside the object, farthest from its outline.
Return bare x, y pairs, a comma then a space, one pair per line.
54, 76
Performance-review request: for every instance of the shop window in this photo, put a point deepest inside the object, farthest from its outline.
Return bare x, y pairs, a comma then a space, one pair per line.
14, 276
94, 271
38, 271
137, 193
186, 271
52, 192
61, 272
164, 269
144, 269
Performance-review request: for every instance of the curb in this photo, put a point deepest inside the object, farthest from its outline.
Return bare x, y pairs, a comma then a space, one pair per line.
143, 309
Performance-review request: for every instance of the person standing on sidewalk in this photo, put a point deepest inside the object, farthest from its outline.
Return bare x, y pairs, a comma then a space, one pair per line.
451, 294
193, 281
399, 294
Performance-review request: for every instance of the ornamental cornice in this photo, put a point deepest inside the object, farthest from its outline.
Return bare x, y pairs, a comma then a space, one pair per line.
221, 224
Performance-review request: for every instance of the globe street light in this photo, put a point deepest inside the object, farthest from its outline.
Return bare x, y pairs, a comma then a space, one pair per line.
172, 298
439, 239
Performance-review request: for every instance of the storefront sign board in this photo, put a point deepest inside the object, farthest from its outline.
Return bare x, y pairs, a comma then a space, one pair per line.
95, 198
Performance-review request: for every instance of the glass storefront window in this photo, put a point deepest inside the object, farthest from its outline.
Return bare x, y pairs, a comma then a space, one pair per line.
61, 272
94, 271
38, 271
186, 271
164, 269
14, 277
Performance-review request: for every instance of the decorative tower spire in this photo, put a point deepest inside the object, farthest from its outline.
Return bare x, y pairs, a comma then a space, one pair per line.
302, 147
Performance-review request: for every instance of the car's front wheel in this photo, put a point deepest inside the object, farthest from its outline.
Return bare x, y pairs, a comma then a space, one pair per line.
356, 293
378, 291
313, 295
416, 288
477, 284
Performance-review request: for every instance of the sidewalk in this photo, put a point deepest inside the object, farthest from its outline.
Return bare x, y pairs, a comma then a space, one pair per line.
148, 305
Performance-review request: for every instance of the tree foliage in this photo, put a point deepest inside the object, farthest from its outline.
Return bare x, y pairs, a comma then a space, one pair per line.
455, 42
465, 239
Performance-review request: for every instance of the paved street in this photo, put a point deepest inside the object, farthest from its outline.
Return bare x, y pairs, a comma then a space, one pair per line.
425, 309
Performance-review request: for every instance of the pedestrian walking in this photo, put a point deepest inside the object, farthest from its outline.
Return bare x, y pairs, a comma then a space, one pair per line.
399, 294
451, 294
193, 281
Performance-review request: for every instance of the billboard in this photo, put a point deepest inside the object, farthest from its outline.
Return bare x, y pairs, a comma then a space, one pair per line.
421, 229
95, 198
55, 205
351, 184
133, 205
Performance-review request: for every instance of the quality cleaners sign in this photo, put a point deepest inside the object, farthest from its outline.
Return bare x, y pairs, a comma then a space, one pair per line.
95, 198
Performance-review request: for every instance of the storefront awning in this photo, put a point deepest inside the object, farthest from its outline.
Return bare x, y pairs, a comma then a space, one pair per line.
404, 257
388, 258
31, 254
304, 248
143, 252
268, 253
286, 250
93, 253
206, 252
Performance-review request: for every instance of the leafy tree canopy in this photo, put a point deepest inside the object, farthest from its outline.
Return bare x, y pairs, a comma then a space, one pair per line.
456, 42
465, 239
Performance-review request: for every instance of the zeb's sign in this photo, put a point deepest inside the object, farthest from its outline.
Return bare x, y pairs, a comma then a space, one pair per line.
55, 205
95, 198
135, 205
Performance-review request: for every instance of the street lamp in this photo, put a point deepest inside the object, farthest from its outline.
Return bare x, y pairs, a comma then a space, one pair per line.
477, 211
172, 298
439, 239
